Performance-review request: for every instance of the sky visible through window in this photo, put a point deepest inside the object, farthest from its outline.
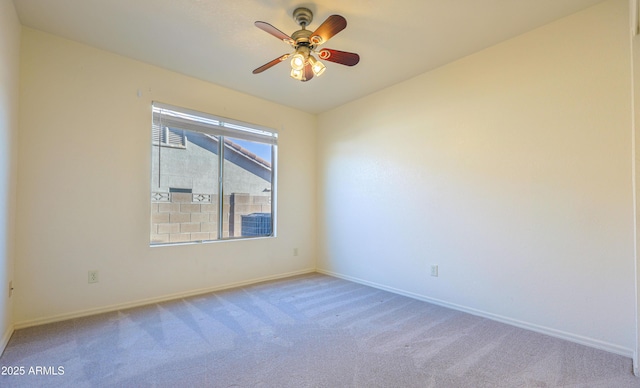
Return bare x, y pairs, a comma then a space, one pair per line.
260, 149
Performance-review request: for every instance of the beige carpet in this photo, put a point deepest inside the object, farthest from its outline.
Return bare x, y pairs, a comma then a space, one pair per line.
306, 331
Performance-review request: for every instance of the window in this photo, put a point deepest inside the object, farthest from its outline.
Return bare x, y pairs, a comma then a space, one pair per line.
212, 178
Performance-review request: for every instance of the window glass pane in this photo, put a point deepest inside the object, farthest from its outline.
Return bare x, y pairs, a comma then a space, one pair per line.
247, 179
184, 186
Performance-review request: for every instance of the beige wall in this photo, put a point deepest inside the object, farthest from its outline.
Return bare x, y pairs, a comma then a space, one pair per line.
85, 141
510, 169
635, 32
9, 74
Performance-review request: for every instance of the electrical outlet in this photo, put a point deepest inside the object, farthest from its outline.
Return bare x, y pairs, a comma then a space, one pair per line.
10, 288
295, 251
93, 276
434, 270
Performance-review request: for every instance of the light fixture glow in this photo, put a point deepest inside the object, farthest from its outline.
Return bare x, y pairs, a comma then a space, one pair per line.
299, 59
317, 66
297, 74
297, 62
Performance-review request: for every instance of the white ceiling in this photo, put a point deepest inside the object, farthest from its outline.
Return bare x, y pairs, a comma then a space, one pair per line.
216, 41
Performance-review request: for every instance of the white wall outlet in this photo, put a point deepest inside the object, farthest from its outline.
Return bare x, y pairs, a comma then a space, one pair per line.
434, 270
93, 276
10, 288
295, 251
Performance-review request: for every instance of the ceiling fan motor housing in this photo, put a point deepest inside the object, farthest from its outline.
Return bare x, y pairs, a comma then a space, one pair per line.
301, 37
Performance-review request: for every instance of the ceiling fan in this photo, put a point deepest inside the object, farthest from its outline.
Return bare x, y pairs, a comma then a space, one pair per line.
303, 64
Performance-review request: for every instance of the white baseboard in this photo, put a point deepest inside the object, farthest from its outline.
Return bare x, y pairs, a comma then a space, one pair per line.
5, 339
143, 302
594, 343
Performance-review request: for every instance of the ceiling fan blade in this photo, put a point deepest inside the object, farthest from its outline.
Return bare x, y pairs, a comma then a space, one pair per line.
270, 64
330, 27
274, 31
341, 57
308, 72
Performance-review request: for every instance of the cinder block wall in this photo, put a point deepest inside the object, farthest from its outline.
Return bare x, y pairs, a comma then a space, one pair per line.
184, 217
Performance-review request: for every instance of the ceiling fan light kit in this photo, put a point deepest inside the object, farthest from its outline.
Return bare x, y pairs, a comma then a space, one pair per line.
304, 66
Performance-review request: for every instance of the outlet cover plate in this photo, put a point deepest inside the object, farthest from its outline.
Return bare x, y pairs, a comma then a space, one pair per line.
93, 276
